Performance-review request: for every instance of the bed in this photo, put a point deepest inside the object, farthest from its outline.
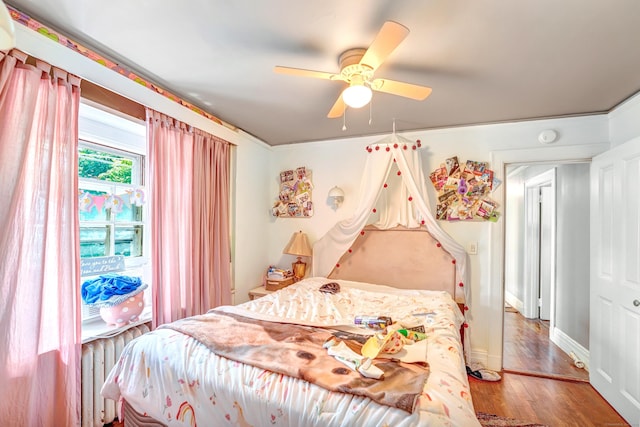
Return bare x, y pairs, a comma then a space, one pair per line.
171, 376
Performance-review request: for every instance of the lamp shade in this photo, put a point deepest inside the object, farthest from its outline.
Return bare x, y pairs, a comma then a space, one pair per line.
7, 29
298, 245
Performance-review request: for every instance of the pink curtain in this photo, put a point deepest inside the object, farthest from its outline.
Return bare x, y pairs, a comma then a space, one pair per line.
39, 245
189, 174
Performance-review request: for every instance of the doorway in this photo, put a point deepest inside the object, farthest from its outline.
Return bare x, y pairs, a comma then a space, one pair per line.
539, 244
544, 242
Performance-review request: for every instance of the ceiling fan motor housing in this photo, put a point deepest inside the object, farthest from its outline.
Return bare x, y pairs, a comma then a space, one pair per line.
351, 70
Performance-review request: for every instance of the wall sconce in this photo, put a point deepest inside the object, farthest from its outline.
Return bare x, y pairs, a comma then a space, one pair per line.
298, 246
336, 197
7, 29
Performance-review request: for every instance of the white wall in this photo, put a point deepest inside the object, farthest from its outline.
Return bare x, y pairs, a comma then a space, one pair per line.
340, 162
250, 202
572, 240
623, 121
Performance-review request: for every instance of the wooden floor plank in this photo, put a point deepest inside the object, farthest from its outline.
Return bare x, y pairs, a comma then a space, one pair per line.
552, 402
527, 348
552, 391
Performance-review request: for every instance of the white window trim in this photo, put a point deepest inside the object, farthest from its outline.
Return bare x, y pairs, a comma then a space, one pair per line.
111, 132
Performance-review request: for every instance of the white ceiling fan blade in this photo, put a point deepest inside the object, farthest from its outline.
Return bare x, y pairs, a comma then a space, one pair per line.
338, 108
306, 73
389, 37
407, 90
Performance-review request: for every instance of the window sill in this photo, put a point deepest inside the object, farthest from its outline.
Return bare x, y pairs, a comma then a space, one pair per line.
97, 328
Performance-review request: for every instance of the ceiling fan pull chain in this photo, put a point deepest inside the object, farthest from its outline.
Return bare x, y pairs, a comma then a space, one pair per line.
394, 125
344, 120
370, 109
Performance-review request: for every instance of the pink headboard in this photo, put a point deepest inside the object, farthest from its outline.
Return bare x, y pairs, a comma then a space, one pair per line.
399, 257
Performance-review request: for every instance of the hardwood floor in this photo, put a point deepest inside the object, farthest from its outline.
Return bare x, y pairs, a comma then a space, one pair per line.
552, 391
556, 403
527, 348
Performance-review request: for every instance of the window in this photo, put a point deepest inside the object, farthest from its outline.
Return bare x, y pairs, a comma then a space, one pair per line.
113, 211
111, 202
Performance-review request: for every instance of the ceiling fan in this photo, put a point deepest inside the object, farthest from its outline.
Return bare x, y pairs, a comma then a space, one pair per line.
357, 67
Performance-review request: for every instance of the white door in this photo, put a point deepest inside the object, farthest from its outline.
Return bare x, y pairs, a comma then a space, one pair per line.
614, 332
547, 265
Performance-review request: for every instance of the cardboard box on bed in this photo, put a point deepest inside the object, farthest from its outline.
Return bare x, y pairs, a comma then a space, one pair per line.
276, 284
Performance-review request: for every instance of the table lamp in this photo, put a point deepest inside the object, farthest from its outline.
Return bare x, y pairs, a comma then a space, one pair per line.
298, 246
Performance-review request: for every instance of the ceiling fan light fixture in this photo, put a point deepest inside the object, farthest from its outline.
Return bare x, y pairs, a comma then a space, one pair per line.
357, 95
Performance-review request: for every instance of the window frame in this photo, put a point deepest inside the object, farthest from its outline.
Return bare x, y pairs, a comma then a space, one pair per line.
102, 129
138, 168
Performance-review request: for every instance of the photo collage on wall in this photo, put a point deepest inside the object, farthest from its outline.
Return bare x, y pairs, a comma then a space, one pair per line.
464, 191
294, 199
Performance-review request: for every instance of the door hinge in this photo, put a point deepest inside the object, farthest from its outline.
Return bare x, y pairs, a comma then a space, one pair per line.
539, 302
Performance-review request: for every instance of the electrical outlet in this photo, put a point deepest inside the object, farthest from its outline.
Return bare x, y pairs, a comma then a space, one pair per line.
472, 248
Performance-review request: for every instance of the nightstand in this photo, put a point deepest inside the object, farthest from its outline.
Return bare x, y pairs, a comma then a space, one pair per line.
258, 292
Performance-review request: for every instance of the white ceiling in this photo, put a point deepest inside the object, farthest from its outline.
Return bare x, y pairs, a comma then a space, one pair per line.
487, 60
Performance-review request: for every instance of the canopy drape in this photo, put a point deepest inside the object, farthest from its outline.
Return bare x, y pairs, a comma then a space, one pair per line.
392, 192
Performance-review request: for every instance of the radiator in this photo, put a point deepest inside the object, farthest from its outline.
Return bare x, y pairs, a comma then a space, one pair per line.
98, 357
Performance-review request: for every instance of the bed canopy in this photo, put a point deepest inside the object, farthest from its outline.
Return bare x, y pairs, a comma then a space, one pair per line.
393, 193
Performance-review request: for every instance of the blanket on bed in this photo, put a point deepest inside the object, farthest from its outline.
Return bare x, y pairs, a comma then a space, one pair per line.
296, 351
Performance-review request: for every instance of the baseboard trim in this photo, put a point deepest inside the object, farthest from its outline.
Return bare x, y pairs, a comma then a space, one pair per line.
569, 345
514, 302
486, 360
479, 356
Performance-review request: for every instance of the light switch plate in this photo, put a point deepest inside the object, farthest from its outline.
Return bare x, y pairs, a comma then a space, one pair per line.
472, 248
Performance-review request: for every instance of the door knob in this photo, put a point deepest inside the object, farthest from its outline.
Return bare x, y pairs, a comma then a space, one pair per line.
636, 302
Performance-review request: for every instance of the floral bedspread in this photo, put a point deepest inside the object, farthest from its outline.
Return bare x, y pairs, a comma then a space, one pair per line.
180, 382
